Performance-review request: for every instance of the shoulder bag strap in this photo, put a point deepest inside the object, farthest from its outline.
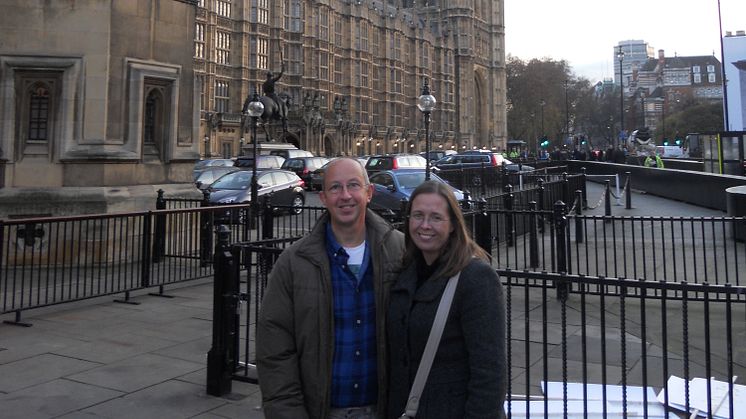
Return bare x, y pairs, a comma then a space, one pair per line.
431, 348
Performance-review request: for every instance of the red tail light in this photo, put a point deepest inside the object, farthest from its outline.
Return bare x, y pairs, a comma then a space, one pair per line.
305, 172
395, 165
302, 183
494, 160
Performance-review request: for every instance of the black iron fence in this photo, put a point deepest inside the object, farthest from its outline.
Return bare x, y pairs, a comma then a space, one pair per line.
594, 354
569, 354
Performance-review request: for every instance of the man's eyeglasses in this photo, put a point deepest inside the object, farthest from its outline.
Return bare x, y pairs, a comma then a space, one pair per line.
337, 188
433, 219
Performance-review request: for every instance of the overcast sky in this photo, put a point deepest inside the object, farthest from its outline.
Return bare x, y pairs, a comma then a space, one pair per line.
584, 32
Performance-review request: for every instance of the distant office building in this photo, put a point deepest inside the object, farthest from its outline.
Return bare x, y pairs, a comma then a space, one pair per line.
734, 46
635, 53
353, 71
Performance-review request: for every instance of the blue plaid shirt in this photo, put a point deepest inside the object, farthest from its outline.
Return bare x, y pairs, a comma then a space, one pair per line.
354, 368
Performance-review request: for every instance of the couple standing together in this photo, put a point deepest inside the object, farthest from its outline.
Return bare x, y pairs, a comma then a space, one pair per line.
348, 310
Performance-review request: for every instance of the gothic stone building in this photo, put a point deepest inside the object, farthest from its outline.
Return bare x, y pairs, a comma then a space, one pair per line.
353, 70
97, 99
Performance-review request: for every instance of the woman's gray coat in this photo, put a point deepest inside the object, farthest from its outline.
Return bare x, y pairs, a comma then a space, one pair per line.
468, 376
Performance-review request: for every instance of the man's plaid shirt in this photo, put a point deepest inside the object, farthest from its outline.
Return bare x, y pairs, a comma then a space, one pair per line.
354, 368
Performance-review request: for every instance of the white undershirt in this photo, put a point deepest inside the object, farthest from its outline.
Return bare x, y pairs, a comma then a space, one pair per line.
356, 254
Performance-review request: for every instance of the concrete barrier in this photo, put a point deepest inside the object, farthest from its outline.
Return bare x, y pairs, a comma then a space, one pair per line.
697, 188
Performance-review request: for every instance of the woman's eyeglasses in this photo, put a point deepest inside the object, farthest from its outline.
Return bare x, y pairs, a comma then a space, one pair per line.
433, 219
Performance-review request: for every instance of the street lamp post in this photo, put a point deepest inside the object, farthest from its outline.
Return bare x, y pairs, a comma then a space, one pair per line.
256, 108
620, 56
567, 114
426, 104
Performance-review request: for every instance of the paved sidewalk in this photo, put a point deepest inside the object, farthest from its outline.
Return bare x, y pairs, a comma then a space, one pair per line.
98, 358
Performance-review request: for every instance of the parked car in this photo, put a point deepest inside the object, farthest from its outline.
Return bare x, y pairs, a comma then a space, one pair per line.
393, 186
304, 166
476, 159
203, 165
394, 162
210, 174
235, 188
435, 155
264, 162
290, 153
316, 178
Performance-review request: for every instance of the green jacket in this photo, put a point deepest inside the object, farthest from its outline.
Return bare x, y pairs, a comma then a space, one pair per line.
294, 336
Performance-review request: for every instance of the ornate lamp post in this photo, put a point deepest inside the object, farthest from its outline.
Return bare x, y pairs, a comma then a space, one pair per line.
620, 56
256, 108
426, 104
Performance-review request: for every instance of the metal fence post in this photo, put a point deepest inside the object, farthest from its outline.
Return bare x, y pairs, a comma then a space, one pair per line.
205, 231
465, 203
268, 218
566, 195
628, 189
504, 176
533, 237
578, 214
483, 183
508, 198
583, 187
159, 239
483, 224
221, 358
540, 203
146, 234
607, 200
560, 223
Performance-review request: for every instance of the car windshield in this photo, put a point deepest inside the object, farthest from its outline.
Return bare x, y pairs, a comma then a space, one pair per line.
413, 180
237, 181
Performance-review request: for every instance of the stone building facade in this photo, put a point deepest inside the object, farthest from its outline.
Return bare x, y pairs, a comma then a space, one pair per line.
353, 70
95, 94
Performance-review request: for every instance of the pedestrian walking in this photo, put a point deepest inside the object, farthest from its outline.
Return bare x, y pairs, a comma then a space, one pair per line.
321, 347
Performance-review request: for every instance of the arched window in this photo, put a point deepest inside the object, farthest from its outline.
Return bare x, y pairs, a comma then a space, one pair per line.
153, 121
36, 113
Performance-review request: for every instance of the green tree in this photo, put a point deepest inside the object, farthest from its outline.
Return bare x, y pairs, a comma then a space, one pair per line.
693, 117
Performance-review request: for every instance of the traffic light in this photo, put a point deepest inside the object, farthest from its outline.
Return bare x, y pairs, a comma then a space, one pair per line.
665, 141
544, 142
678, 141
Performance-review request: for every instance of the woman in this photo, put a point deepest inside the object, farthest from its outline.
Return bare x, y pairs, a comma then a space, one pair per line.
468, 376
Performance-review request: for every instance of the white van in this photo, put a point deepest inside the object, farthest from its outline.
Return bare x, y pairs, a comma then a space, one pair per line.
670, 151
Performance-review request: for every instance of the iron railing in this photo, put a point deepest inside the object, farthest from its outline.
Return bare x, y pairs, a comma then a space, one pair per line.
602, 349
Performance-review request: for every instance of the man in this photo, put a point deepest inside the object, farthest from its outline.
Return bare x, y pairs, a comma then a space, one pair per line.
269, 85
320, 334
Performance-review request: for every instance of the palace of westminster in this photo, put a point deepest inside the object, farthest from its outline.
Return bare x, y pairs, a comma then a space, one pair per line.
116, 95
353, 70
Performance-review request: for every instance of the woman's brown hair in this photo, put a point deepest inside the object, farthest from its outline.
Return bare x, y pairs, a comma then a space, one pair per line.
460, 248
